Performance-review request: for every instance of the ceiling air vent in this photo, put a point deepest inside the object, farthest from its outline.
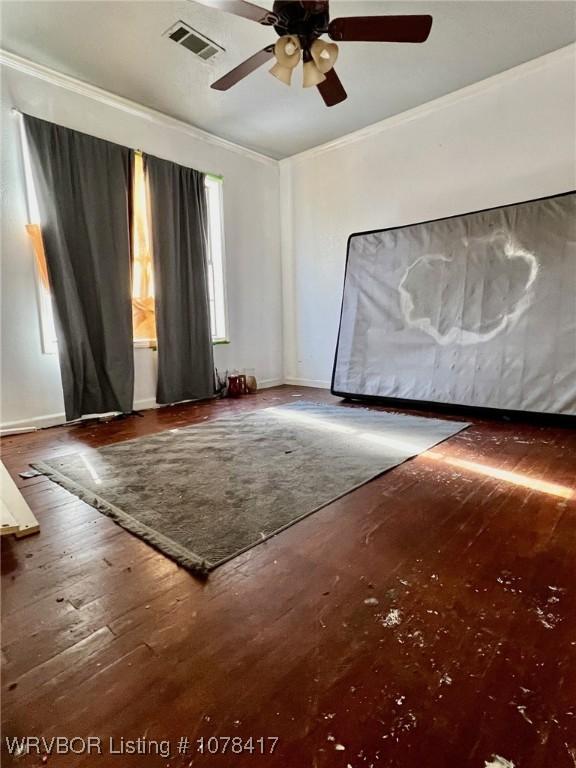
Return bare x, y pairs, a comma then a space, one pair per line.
195, 42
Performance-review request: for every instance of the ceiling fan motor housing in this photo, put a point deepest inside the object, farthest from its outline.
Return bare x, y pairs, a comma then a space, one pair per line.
306, 19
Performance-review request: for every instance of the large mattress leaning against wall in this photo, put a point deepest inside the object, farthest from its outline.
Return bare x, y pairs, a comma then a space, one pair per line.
476, 310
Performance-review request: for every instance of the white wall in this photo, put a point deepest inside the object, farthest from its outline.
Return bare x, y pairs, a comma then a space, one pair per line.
507, 139
31, 391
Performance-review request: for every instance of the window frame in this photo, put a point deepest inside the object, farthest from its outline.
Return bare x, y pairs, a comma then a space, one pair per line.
47, 319
141, 207
215, 219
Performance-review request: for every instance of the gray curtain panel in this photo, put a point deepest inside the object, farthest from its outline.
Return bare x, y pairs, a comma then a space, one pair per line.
83, 185
178, 216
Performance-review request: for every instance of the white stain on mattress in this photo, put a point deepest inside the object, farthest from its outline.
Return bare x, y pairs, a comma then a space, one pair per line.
506, 270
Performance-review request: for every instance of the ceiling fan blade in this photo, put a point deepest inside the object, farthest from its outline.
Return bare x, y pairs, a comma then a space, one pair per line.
381, 29
331, 89
244, 69
244, 9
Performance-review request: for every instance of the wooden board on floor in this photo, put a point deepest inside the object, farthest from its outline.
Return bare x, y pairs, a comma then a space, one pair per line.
16, 515
7, 522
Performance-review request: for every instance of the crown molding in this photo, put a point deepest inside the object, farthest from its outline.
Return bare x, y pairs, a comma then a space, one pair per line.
39, 71
474, 89
74, 85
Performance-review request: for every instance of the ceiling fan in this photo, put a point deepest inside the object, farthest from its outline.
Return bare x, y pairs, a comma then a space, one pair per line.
300, 24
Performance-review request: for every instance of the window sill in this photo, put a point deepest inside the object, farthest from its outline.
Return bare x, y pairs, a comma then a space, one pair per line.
52, 349
144, 344
149, 344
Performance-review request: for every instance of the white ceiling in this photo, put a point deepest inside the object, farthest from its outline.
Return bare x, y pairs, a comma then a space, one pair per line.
119, 46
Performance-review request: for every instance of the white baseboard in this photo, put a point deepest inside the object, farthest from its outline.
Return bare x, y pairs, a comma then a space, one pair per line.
316, 383
58, 419
7, 431
29, 425
147, 402
267, 383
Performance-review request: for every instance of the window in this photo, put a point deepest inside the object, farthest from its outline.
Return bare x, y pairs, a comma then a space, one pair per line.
143, 273
143, 316
47, 328
216, 286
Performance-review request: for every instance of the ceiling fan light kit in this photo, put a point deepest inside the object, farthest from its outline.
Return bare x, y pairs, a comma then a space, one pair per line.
300, 24
312, 75
288, 50
288, 54
319, 58
284, 74
324, 55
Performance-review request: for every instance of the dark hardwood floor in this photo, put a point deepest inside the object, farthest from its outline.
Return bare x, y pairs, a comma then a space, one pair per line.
426, 620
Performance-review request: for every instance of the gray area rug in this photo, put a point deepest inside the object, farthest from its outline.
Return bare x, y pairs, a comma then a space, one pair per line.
204, 494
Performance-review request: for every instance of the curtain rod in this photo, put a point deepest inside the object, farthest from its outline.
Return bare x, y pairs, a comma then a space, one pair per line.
209, 174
